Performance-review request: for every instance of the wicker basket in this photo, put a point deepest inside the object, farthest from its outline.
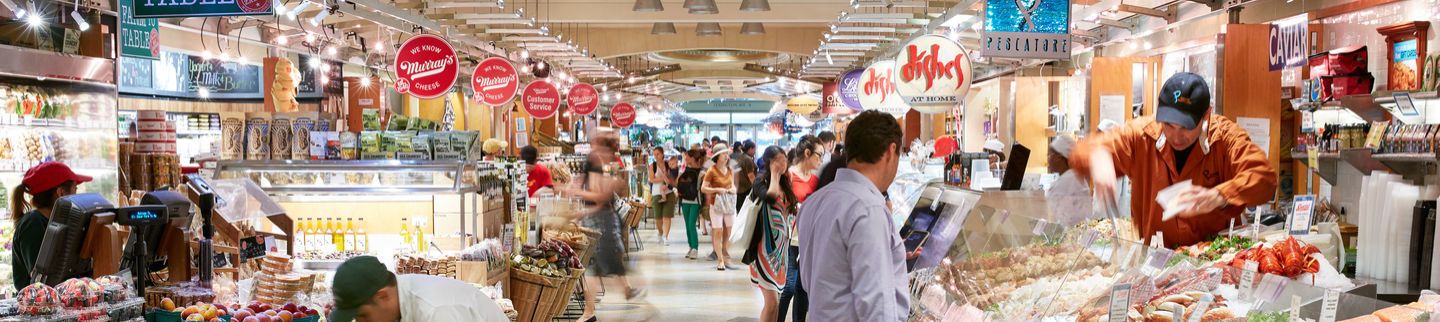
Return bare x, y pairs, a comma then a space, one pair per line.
536, 296
568, 287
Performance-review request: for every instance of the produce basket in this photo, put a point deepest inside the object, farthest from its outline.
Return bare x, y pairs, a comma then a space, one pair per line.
568, 287
586, 250
536, 296
636, 214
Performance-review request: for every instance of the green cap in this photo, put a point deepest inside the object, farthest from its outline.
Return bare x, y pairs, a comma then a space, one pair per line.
356, 281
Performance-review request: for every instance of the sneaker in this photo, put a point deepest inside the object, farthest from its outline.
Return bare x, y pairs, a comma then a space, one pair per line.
693, 254
664, 242
712, 257
635, 294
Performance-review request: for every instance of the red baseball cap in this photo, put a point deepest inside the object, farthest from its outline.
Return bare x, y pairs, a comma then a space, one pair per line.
49, 175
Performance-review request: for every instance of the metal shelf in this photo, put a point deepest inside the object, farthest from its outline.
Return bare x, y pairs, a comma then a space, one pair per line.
452, 170
343, 165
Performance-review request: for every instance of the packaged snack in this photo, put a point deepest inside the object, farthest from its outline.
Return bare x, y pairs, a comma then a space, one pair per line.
39, 299
302, 123
399, 141
257, 136
325, 122
319, 140
349, 146
420, 143
463, 142
370, 119
280, 137
397, 123
370, 142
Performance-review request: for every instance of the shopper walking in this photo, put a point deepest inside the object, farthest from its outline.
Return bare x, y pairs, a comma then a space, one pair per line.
720, 188
687, 187
599, 186
662, 196
803, 181
744, 169
767, 254
852, 261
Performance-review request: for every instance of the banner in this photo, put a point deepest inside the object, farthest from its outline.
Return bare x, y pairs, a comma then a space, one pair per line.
583, 99
541, 99
877, 90
495, 81
622, 115
426, 67
199, 8
803, 104
850, 89
831, 102
1039, 29
932, 73
139, 38
1288, 42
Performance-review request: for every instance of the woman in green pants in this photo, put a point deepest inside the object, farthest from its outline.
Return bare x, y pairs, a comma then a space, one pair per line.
688, 185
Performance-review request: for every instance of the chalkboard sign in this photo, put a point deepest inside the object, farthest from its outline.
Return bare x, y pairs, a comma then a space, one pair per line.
310, 85
222, 77
251, 248
181, 75
136, 72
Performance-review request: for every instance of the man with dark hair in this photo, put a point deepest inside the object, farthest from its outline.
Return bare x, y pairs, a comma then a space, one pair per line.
538, 176
827, 139
365, 291
745, 169
852, 262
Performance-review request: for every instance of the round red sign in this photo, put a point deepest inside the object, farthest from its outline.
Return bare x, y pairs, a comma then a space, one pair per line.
541, 99
622, 115
426, 67
583, 99
495, 81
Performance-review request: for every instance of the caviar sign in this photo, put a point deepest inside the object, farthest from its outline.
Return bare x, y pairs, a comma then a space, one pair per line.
877, 89
1026, 29
199, 8
495, 81
541, 99
622, 115
425, 67
932, 73
583, 99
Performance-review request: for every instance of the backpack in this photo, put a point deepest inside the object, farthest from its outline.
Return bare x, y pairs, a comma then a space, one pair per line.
689, 184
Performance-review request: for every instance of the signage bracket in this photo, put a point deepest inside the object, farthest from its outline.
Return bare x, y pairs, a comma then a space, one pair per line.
1169, 14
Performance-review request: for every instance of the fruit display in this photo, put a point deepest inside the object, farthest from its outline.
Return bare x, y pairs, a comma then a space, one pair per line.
550, 258
80, 293
264, 312
1288, 258
39, 299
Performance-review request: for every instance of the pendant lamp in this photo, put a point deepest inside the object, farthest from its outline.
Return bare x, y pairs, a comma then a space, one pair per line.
755, 5
663, 28
752, 28
708, 29
648, 6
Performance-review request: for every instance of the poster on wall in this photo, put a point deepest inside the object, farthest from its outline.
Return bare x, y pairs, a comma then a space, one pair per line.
1405, 68
932, 73
319, 76
583, 99
495, 81
849, 88
192, 8
1288, 42
622, 115
425, 67
139, 38
1015, 29
877, 90
540, 99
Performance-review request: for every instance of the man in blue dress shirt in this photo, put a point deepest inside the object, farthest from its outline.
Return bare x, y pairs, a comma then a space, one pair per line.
853, 261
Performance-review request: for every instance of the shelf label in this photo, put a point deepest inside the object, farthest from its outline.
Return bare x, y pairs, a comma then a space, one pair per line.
1313, 154
1295, 308
1039, 227
1270, 287
1329, 305
1201, 306
1159, 257
1301, 214
1119, 302
1247, 278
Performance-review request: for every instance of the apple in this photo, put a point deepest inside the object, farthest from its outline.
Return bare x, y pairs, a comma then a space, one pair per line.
270, 313
190, 311
264, 318
251, 318
300, 315
211, 313
289, 307
242, 314
195, 317
312, 312
167, 304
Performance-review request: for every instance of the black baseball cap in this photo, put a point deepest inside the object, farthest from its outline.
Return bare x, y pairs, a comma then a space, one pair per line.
356, 281
1183, 100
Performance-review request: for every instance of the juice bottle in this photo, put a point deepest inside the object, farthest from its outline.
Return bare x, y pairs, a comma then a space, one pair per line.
337, 234
419, 237
350, 238
363, 243
405, 231
299, 234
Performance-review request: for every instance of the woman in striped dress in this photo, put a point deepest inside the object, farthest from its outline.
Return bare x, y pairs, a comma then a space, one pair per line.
766, 255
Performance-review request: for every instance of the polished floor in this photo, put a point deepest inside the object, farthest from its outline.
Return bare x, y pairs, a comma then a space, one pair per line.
680, 289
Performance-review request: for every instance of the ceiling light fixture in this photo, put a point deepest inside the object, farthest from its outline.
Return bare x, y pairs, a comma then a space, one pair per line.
279, 7
282, 40
752, 28
648, 6
754, 5
35, 20
702, 7
365, 82
298, 9
708, 29
319, 17
309, 37
79, 20
663, 28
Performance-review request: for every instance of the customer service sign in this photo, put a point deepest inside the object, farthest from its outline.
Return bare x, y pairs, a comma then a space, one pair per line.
1037, 29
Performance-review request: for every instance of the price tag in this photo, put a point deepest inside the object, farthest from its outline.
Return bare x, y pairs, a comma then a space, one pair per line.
1270, 287
1039, 227
1330, 304
1247, 278
1295, 308
251, 248
1178, 315
1307, 119
1201, 306
1119, 302
1160, 257
1300, 217
1004, 215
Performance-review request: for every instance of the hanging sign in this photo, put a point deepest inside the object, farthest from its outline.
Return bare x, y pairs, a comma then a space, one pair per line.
583, 99
1288, 42
803, 104
139, 38
495, 81
541, 99
622, 115
849, 88
199, 8
1015, 29
877, 90
932, 73
426, 67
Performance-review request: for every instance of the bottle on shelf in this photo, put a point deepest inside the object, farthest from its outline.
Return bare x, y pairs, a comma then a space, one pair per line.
363, 243
405, 231
419, 236
337, 234
350, 238
322, 236
302, 235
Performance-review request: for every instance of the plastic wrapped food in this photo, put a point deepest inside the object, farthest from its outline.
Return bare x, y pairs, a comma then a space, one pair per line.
79, 293
39, 299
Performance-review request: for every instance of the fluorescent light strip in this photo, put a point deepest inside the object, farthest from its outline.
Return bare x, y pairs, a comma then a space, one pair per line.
466, 16
863, 37
466, 4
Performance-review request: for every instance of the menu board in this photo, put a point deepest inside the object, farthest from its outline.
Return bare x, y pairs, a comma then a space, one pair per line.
182, 75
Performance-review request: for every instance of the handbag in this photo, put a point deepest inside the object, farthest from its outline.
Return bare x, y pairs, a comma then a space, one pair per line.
745, 222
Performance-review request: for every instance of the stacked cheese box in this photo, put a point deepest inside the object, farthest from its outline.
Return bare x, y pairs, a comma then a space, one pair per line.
277, 283
156, 134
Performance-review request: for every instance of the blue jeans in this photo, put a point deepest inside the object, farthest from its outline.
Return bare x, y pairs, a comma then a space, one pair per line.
793, 289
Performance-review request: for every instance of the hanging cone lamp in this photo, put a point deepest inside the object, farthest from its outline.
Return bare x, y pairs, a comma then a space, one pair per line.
663, 28
754, 5
752, 28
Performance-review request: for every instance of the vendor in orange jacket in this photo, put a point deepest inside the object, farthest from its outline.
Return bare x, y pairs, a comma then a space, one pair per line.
1183, 141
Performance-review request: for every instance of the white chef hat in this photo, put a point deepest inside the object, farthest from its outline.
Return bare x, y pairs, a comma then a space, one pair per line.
1062, 144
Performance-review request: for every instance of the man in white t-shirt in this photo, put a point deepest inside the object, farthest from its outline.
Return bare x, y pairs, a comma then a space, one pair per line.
365, 291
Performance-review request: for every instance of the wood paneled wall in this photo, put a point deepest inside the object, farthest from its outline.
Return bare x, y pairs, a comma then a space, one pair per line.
1249, 88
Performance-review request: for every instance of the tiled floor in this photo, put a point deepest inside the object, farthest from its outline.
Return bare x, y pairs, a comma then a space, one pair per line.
681, 289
